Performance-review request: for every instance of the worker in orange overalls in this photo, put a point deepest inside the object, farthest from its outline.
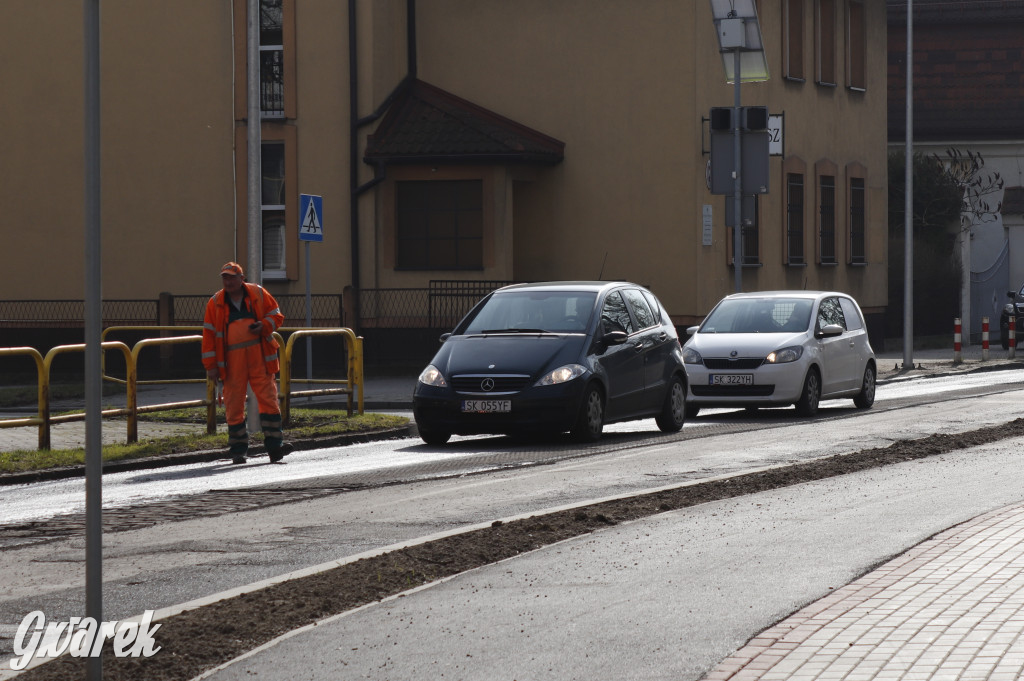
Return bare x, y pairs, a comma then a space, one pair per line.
239, 349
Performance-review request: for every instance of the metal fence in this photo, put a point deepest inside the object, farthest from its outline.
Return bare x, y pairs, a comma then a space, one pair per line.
439, 306
185, 311
326, 309
71, 313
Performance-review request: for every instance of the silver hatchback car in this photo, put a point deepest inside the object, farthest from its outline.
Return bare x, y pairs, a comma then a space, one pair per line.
776, 348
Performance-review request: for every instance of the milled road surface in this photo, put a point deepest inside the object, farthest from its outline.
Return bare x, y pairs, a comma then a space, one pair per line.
666, 597
171, 563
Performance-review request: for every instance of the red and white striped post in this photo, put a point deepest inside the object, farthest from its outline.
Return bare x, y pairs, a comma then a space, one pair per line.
984, 338
1011, 334
958, 356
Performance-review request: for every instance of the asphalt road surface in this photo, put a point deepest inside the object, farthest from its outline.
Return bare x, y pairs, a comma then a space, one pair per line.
213, 545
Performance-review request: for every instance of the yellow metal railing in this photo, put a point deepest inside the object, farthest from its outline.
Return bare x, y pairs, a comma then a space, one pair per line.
352, 385
43, 412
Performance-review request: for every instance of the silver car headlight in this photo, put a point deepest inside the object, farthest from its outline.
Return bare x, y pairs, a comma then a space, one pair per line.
431, 376
1008, 309
562, 374
790, 354
691, 356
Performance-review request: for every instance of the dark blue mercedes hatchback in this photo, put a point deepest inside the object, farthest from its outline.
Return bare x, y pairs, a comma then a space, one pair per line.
552, 357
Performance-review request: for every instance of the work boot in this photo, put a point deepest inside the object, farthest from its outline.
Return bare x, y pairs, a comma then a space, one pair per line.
278, 453
238, 441
273, 437
238, 458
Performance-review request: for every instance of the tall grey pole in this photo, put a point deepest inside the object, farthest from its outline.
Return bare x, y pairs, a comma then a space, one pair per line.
737, 200
309, 316
908, 203
93, 333
254, 177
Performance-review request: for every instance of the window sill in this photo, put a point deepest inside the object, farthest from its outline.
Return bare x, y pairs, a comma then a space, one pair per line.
828, 264
796, 264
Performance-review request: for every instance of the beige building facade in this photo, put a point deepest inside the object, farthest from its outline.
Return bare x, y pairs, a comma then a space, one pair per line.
450, 140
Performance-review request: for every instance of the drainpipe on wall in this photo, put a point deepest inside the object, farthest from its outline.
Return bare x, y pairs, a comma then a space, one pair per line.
357, 190
353, 113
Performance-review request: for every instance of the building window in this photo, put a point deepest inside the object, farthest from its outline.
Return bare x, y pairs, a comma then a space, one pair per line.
439, 225
271, 59
793, 39
272, 206
277, 59
856, 47
858, 256
825, 42
827, 219
795, 219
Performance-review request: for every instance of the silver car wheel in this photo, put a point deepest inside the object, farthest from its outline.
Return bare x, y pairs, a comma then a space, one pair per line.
590, 422
807, 405
673, 414
866, 397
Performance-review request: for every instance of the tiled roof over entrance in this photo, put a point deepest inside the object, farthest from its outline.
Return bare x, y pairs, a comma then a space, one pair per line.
968, 69
425, 124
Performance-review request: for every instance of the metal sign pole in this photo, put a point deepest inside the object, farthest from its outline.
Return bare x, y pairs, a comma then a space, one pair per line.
309, 320
311, 228
254, 179
93, 334
737, 234
908, 204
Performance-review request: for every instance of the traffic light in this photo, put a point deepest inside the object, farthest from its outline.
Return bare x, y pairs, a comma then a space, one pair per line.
751, 118
755, 118
721, 118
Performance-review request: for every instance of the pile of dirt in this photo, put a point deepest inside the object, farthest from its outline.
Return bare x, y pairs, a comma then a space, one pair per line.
200, 639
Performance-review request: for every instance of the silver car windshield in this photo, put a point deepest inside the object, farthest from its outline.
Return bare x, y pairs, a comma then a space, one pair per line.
534, 312
759, 315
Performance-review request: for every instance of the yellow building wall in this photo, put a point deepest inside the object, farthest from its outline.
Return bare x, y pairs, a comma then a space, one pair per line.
167, 138
624, 85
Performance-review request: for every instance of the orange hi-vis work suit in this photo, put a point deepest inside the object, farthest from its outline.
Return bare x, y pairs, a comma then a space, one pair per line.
244, 357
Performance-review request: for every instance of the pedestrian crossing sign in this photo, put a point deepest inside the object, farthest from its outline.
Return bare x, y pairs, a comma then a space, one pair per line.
311, 208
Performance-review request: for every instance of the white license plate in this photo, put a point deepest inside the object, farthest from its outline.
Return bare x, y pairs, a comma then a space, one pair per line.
731, 379
487, 406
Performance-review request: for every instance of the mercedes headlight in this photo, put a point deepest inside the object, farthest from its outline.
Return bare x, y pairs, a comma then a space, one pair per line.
431, 376
562, 374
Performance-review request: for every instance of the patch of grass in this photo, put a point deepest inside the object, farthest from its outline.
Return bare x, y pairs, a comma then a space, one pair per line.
306, 423
28, 395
